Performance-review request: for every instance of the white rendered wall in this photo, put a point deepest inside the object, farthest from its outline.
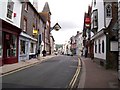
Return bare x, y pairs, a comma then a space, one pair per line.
100, 55
16, 9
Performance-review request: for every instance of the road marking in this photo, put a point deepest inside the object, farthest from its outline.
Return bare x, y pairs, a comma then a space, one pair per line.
22, 68
83, 76
74, 79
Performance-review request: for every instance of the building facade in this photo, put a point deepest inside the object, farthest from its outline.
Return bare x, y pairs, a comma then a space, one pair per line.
86, 32
10, 16
30, 25
79, 43
46, 15
103, 24
119, 39
52, 44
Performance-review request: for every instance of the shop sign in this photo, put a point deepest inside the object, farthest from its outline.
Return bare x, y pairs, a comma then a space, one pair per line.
35, 32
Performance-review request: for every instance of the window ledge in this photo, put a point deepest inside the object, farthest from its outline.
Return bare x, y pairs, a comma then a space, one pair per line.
10, 20
21, 55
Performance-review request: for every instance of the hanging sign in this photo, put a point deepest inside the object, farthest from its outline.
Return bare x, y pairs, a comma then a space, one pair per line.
87, 20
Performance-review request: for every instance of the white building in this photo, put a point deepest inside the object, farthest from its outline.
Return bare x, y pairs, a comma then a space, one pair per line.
14, 17
52, 44
103, 20
79, 43
10, 18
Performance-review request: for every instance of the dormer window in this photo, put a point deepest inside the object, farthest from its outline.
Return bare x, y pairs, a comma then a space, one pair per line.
108, 11
10, 9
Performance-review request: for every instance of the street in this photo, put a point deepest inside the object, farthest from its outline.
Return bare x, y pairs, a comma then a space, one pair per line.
56, 72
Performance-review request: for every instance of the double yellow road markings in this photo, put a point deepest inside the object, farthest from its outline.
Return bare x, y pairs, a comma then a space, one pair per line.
74, 79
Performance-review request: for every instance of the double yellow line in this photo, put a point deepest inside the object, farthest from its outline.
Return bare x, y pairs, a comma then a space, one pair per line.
74, 79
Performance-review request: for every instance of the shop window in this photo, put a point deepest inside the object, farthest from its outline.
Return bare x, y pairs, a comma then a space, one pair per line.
32, 48
108, 10
11, 43
25, 25
22, 47
102, 46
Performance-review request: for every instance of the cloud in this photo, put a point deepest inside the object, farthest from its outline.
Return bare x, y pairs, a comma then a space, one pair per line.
67, 25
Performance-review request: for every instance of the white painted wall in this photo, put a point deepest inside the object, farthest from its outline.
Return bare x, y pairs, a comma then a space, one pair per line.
17, 9
100, 55
100, 6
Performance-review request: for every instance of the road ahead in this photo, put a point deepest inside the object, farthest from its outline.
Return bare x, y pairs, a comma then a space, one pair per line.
56, 72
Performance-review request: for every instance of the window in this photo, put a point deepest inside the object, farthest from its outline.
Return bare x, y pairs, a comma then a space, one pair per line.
0, 51
94, 2
95, 19
95, 47
26, 6
99, 46
102, 46
32, 48
108, 10
25, 25
22, 47
11, 42
10, 9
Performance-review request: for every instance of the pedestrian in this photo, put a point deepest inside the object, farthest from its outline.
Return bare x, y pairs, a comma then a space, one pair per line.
86, 52
44, 52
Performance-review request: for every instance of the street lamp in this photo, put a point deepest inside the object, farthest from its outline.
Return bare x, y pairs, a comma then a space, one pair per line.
56, 27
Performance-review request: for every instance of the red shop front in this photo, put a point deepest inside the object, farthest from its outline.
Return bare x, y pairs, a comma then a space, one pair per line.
10, 42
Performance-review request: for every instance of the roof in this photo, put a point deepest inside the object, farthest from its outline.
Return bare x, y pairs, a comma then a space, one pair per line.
46, 8
44, 16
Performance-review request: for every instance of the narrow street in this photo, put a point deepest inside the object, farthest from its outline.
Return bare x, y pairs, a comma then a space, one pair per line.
56, 72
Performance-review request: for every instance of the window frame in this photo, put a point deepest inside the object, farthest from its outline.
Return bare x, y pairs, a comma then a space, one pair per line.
108, 11
99, 46
24, 52
10, 6
25, 24
103, 46
95, 46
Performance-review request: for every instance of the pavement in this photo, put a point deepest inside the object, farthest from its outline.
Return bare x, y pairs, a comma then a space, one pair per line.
10, 68
96, 76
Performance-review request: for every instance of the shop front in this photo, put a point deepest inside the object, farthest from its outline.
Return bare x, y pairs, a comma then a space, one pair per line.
10, 36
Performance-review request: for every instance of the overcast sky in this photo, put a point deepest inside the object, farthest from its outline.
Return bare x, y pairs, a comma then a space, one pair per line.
69, 14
